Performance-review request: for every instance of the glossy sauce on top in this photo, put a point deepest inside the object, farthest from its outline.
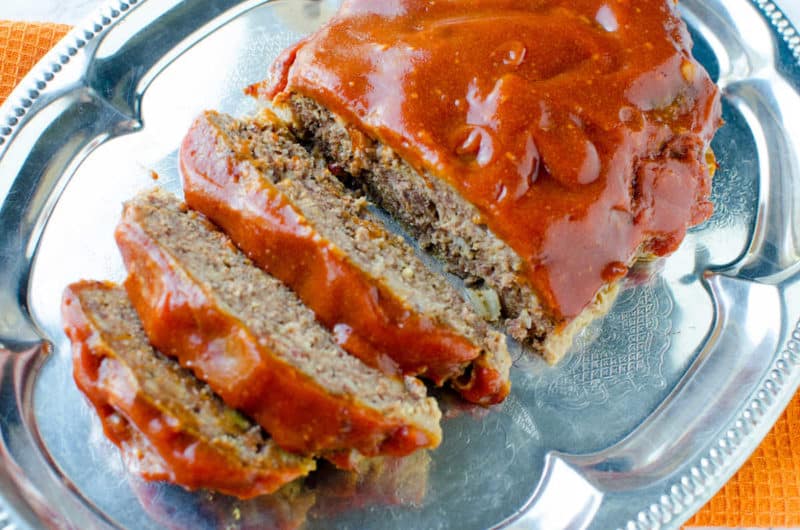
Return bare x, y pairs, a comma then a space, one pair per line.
578, 128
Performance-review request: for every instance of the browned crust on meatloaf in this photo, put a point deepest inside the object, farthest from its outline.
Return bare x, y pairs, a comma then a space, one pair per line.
255, 343
264, 153
139, 383
444, 223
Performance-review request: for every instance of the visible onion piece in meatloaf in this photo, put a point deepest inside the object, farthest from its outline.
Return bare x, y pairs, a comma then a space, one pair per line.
252, 340
539, 148
293, 218
169, 425
443, 222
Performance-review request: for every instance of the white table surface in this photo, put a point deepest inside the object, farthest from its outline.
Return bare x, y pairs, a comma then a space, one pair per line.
73, 11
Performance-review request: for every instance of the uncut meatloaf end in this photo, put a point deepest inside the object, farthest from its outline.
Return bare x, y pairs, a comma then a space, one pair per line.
256, 345
294, 219
443, 222
168, 425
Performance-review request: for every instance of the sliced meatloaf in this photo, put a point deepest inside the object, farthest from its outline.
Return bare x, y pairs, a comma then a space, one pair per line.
540, 148
169, 425
254, 342
293, 218
444, 223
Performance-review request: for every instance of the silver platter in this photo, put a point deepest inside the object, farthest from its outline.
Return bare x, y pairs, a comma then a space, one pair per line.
656, 407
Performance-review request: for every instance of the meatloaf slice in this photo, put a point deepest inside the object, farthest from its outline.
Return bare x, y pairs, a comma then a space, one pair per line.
252, 340
374, 482
169, 425
445, 223
293, 218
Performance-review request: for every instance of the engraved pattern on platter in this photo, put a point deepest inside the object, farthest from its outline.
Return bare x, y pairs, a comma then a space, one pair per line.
734, 194
617, 355
671, 502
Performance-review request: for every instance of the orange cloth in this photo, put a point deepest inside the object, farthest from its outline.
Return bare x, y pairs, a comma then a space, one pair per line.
764, 493
21, 45
766, 490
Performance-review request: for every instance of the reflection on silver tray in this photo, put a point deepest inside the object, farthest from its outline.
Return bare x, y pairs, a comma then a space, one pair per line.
654, 409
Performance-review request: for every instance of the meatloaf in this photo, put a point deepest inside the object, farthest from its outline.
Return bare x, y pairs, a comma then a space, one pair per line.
168, 424
539, 148
256, 345
444, 223
293, 218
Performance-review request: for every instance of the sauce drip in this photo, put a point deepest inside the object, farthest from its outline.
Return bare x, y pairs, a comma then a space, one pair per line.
580, 129
368, 320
